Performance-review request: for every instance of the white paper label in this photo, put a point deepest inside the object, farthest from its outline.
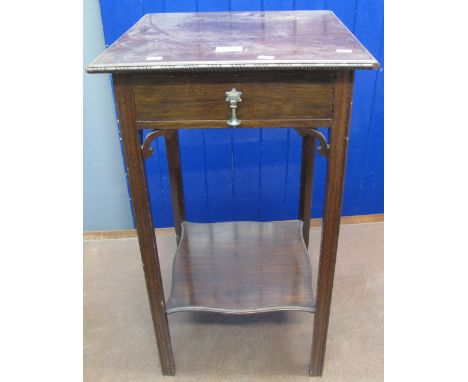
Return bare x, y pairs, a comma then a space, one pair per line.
154, 58
260, 57
344, 51
228, 49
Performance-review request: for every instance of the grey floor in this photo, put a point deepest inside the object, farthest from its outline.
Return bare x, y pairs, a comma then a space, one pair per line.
119, 343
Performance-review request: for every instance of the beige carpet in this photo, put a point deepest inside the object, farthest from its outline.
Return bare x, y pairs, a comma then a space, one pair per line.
119, 343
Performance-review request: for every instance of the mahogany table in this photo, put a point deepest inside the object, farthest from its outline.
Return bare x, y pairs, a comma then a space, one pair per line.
234, 70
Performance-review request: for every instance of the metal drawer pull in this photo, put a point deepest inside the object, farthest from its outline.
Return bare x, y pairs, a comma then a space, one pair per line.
233, 97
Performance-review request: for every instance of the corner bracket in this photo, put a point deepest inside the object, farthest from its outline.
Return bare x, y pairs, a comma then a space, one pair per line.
323, 147
146, 149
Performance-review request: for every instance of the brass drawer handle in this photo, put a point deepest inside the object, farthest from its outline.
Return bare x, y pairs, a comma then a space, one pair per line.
233, 97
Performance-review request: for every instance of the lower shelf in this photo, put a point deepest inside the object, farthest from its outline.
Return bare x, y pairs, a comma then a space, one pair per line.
241, 268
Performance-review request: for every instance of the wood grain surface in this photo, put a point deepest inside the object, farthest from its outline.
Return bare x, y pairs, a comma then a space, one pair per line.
189, 97
143, 221
241, 268
339, 136
240, 40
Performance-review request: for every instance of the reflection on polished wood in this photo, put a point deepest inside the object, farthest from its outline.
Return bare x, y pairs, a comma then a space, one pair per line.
241, 268
239, 40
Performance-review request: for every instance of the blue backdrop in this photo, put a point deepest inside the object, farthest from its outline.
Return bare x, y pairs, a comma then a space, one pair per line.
253, 174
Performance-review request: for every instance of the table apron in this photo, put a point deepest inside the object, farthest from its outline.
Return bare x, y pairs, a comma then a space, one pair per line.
215, 100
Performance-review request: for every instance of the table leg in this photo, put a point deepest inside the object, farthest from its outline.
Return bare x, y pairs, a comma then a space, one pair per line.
331, 221
142, 214
307, 176
175, 176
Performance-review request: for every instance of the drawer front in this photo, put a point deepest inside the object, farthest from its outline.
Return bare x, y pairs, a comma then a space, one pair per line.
270, 96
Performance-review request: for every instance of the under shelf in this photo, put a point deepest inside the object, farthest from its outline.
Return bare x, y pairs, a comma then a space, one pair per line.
241, 268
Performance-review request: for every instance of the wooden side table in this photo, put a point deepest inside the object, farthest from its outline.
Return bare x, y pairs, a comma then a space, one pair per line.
236, 70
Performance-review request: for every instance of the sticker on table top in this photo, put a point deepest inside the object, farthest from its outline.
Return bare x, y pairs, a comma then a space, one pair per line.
228, 49
261, 57
344, 51
154, 58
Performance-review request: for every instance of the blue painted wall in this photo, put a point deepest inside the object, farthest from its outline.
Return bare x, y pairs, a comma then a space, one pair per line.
253, 174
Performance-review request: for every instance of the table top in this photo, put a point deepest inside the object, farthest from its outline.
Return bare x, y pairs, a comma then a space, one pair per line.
235, 40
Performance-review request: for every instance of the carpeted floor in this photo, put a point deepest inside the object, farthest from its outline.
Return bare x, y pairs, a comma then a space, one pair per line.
119, 343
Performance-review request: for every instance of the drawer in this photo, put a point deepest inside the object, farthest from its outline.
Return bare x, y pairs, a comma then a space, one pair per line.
271, 98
